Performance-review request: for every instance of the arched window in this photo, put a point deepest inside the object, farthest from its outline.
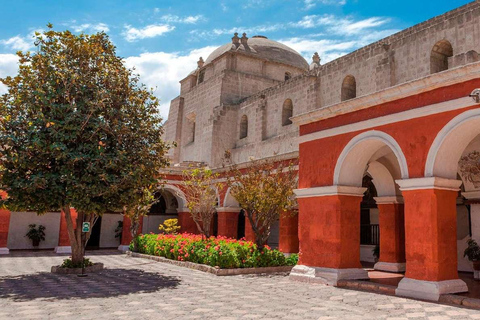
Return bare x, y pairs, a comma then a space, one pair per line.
287, 112
244, 127
441, 51
288, 76
349, 88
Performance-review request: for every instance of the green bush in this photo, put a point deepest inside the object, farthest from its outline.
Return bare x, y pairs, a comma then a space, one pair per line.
68, 263
216, 252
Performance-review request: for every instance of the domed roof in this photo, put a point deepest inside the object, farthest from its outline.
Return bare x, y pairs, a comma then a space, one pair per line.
266, 49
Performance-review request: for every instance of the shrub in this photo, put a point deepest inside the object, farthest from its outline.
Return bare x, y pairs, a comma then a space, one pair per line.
219, 252
68, 263
169, 226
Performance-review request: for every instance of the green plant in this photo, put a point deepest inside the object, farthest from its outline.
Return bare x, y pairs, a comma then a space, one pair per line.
376, 252
472, 252
36, 234
119, 230
68, 263
219, 252
169, 226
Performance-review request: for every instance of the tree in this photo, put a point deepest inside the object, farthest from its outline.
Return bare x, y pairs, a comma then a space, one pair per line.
264, 190
200, 185
77, 130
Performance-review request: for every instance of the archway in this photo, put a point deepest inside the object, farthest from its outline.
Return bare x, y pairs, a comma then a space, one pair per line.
441, 51
349, 88
374, 160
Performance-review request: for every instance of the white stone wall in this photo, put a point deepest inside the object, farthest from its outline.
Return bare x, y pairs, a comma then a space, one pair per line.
151, 223
107, 230
18, 228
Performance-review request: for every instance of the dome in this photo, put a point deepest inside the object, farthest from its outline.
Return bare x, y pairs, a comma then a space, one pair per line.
266, 49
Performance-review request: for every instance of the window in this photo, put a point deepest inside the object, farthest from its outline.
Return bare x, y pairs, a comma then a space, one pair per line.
191, 128
201, 76
441, 51
287, 112
288, 76
244, 127
349, 88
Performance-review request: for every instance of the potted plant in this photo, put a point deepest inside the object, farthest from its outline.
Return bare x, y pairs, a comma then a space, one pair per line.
36, 234
119, 230
376, 252
472, 252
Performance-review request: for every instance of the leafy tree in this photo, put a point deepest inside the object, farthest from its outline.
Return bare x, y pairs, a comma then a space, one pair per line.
77, 130
169, 226
264, 190
200, 185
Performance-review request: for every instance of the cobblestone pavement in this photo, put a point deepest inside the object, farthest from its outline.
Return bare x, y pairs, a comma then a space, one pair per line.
135, 288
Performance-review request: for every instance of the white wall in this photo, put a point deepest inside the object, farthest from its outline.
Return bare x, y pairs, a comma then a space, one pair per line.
107, 230
274, 239
18, 228
151, 223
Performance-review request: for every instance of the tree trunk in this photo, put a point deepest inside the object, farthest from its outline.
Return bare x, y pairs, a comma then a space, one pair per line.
78, 239
134, 225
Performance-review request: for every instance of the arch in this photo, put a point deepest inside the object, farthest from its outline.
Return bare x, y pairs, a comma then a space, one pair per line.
383, 180
449, 144
230, 201
244, 127
354, 158
177, 193
349, 88
441, 51
287, 112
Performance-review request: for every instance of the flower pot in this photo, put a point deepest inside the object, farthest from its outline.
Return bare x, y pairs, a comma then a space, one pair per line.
476, 265
36, 243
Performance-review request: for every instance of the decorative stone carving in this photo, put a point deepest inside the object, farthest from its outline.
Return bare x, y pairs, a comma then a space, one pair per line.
470, 168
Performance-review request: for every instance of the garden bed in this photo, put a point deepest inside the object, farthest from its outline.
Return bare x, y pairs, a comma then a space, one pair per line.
93, 268
219, 256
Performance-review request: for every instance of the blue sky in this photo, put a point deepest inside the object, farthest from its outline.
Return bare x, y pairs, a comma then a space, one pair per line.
164, 39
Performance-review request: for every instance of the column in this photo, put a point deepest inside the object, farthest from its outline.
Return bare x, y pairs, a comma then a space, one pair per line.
430, 238
228, 221
392, 234
288, 242
186, 222
126, 234
64, 245
473, 199
329, 234
4, 226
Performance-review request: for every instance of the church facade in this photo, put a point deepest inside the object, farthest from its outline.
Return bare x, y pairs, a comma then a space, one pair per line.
388, 141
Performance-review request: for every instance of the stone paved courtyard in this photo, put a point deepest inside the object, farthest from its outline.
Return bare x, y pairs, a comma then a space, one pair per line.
135, 288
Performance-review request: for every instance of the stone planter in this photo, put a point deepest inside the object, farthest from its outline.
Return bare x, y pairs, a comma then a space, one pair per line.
95, 268
216, 271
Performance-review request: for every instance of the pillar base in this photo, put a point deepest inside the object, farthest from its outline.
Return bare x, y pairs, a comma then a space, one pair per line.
124, 248
390, 266
429, 290
63, 249
4, 251
326, 276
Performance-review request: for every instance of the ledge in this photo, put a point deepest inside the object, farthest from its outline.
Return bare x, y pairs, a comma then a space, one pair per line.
212, 270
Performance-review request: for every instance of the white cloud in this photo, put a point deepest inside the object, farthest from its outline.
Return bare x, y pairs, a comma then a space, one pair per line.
8, 67
132, 34
98, 27
17, 43
188, 20
341, 26
309, 4
163, 71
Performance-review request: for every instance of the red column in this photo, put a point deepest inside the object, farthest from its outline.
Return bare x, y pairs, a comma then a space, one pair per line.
4, 226
392, 234
228, 222
329, 234
288, 242
430, 238
186, 223
64, 245
126, 234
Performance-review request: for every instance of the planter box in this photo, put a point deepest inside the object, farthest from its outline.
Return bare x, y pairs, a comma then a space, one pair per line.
95, 268
213, 270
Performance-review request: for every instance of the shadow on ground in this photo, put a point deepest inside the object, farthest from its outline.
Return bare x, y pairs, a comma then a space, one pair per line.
50, 253
107, 283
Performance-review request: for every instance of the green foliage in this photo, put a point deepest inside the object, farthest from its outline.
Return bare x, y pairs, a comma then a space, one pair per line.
78, 130
472, 252
216, 252
36, 234
68, 263
170, 226
119, 230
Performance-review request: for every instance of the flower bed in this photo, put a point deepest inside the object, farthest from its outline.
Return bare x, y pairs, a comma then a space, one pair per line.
216, 252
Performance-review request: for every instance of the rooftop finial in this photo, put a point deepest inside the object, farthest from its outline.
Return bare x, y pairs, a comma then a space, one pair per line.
200, 62
316, 58
236, 39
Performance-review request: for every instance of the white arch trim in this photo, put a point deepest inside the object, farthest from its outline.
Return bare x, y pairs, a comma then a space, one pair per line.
229, 200
375, 139
177, 193
382, 179
450, 143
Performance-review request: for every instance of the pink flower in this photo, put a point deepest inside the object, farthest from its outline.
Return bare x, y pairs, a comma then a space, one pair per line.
220, 253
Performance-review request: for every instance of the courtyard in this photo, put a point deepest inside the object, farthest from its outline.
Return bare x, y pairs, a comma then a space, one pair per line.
135, 288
